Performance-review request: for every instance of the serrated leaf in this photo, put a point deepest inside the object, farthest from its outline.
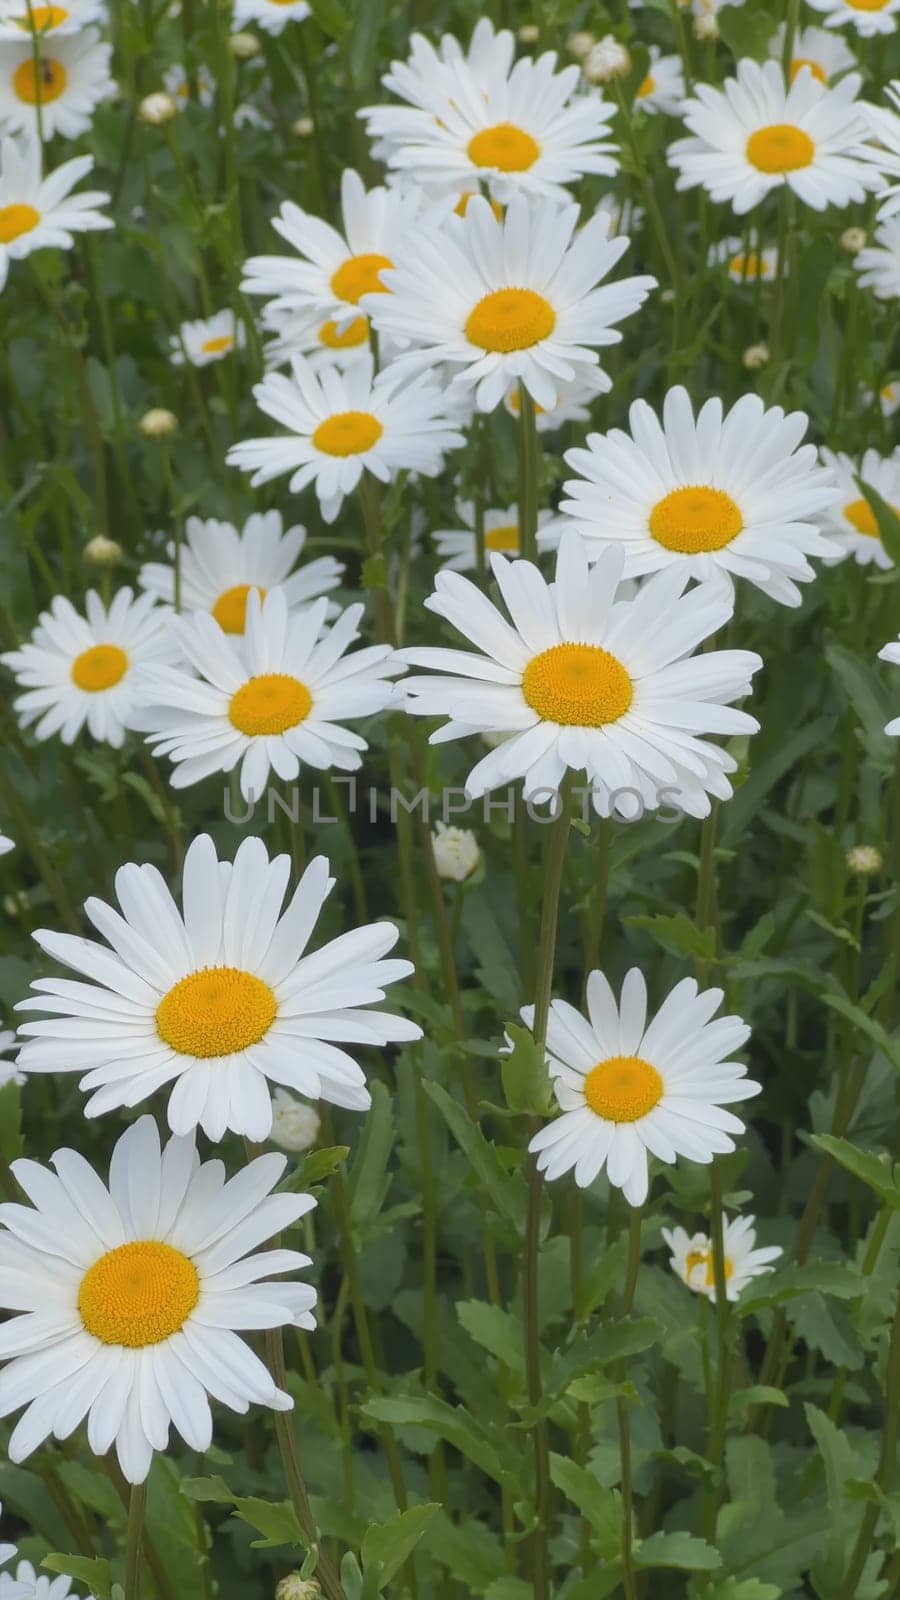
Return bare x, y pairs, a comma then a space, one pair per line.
275, 1520
368, 1181
93, 1571
601, 1507
453, 1423
388, 1544
589, 1352
869, 1168
496, 1330
681, 1550
677, 934
840, 1464
506, 1193
526, 1081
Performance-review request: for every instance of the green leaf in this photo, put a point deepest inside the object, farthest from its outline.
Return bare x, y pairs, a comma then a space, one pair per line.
388, 1544
866, 694
12, 1144
472, 1439
769, 771
758, 1394
495, 1330
509, 1588
471, 1551
497, 970
331, 17
94, 1572
824, 1328
886, 517
369, 1180
275, 1520
840, 1464
526, 1081
863, 1164
590, 1351
681, 1550
678, 934
742, 1589
866, 1025
599, 1506
837, 1278
506, 1193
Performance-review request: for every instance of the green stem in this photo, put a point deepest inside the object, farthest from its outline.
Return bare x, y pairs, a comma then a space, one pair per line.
623, 1422
887, 1466
528, 487
780, 285
133, 1539
718, 1421
287, 1447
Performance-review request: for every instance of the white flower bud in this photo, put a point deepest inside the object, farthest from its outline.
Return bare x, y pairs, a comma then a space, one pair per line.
580, 44
755, 356
158, 423
157, 108
864, 859
295, 1126
456, 852
244, 46
667, 297
103, 552
607, 60
529, 33
706, 26
304, 127
293, 1587
853, 240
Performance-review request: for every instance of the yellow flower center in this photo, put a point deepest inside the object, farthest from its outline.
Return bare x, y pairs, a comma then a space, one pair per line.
16, 220
42, 17
515, 403
347, 433
800, 62
623, 1088
647, 87
577, 686
510, 319
747, 266
780, 148
47, 84
711, 1271
99, 668
695, 519
868, 5
218, 1011
218, 345
359, 275
269, 704
138, 1294
230, 610
860, 513
505, 147
356, 332
462, 205
505, 537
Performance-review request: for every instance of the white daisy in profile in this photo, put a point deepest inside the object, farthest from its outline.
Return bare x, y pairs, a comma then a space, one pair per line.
662, 88
752, 263
18, 17
31, 1585
891, 652
584, 681
629, 1089
79, 671
691, 1257
572, 404
199, 87
826, 54
70, 77
489, 57
42, 213
219, 1001
851, 522
889, 399
130, 1299
275, 700
331, 269
206, 340
343, 424
457, 547
525, 130
294, 333
868, 17
511, 300
755, 135
878, 264
734, 494
272, 16
9, 1073
220, 566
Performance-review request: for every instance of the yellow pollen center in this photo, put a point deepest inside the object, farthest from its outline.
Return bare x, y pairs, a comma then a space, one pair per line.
504, 147
42, 17
746, 266
218, 1011
269, 704
800, 62
99, 668
510, 319
46, 84
780, 148
138, 1294
359, 275
711, 1271
230, 610
16, 220
623, 1088
647, 87
462, 205
356, 332
515, 403
347, 433
577, 686
218, 345
860, 513
695, 519
868, 5
503, 538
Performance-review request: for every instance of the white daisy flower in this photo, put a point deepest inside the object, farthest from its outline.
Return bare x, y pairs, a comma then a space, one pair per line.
691, 1257
755, 135
272, 16
343, 424
572, 404
220, 1001
456, 547
891, 652
662, 89
206, 340
130, 1298
336, 268
200, 87
79, 670
18, 18
878, 264
273, 700
586, 682
220, 566
511, 300
868, 17
756, 262
323, 344
30, 1585
490, 56
851, 520
628, 1089
889, 399
8, 1074
884, 153
826, 54
41, 213
524, 130
733, 494
70, 79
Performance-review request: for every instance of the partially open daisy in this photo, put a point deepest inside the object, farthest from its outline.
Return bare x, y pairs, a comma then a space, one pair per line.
272, 16
583, 681
755, 134
322, 343
889, 399
511, 300
850, 522
129, 1298
629, 1089
745, 263
199, 87
343, 424
78, 671
41, 213
18, 17
489, 57
275, 700
662, 89
69, 78
219, 1001
691, 1257
31, 1585
457, 547
826, 54
206, 340
220, 566
572, 403
868, 17
878, 264
524, 130
891, 652
733, 493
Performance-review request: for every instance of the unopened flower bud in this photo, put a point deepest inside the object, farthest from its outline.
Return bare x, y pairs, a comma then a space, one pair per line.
853, 240
157, 423
580, 44
529, 33
293, 1587
295, 1126
755, 356
864, 859
244, 46
667, 297
304, 127
706, 26
103, 552
456, 852
607, 60
157, 108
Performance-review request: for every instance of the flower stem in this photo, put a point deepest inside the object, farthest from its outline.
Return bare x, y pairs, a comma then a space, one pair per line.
528, 488
287, 1448
133, 1539
718, 1417
622, 1418
887, 1466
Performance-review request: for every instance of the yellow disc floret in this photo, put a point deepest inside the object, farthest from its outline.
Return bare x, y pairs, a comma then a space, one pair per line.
782, 147
46, 84
138, 1294
695, 519
39, 18
218, 345
861, 516
98, 668
355, 333
217, 1011
269, 704
504, 147
800, 62
623, 1088
505, 537
360, 275
230, 610
17, 219
510, 319
577, 686
347, 433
